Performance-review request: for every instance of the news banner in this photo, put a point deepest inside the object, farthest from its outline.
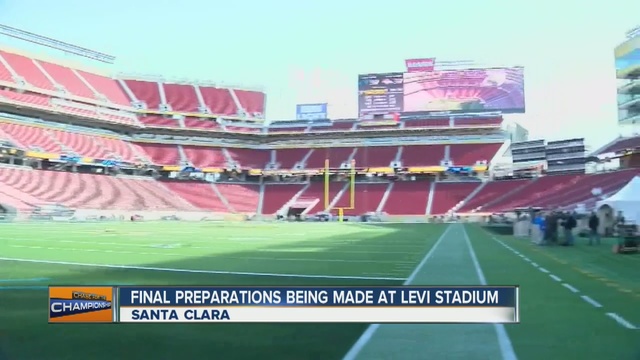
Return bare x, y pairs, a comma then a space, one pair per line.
202, 304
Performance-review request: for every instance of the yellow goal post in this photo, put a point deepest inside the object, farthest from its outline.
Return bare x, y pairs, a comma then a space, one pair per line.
352, 188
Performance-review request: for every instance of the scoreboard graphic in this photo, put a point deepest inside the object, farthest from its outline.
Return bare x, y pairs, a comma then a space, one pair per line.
380, 93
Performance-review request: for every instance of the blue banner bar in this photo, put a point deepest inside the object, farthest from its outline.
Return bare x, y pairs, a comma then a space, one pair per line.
450, 296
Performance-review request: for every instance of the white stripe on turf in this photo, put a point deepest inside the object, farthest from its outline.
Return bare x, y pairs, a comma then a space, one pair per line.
368, 333
506, 348
194, 271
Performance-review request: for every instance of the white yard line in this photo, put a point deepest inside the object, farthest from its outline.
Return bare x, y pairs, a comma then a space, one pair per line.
218, 256
619, 319
371, 330
506, 347
193, 271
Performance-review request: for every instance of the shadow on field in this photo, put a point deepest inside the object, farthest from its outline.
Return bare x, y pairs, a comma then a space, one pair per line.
25, 334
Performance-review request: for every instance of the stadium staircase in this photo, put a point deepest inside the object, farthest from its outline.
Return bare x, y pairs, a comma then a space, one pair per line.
447, 195
59, 87
7, 73
222, 198
302, 164
432, 192
201, 103
242, 198
228, 158
163, 97
94, 92
128, 92
261, 199
236, 101
398, 157
183, 156
272, 197
137, 152
491, 191
339, 196
506, 196
469, 197
385, 197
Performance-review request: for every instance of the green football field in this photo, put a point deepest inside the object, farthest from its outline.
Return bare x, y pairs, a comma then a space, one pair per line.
581, 302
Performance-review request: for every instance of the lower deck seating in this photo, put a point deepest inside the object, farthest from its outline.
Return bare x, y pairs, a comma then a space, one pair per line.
448, 195
491, 191
24, 188
367, 198
200, 195
408, 198
88, 191
277, 195
241, 198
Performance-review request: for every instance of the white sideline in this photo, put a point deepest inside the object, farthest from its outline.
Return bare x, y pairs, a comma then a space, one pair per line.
257, 258
366, 336
193, 271
591, 301
620, 320
506, 348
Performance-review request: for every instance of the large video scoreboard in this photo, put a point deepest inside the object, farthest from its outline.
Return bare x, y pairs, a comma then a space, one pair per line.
458, 91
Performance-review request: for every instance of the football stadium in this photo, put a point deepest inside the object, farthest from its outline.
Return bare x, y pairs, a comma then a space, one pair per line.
121, 181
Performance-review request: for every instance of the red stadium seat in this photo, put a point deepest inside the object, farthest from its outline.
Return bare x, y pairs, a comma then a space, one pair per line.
145, 91
408, 198
182, 98
219, 101
66, 77
448, 195
107, 87
27, 69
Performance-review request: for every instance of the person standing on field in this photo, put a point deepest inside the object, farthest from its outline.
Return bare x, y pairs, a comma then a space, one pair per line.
594, 222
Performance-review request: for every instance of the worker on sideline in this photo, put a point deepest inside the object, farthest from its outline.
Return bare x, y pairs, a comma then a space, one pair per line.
594, 222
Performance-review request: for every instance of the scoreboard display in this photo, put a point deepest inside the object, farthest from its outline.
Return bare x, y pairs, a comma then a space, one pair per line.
380, 93
452, 91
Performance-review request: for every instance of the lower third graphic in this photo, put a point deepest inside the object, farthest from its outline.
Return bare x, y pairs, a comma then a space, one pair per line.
75, 304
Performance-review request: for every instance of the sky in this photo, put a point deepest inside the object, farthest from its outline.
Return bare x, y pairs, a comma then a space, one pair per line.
312, 51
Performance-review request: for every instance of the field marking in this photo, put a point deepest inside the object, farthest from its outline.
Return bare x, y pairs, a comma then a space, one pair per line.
620, 320
25, 287
571, 288
218, 256
506, 347
366, 336
591, 301
225, 243
543, 270
187, 245
194, 271
4, 281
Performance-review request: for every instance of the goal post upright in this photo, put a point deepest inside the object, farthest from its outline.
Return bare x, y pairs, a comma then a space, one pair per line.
352, 189
326, 184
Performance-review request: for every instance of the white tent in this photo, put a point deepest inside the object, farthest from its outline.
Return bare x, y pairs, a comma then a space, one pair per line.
626, 200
